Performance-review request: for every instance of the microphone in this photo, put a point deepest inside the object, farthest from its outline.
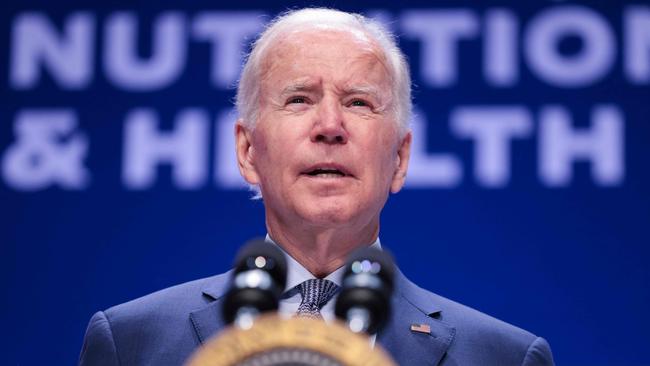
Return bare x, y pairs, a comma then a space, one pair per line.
364, 301
259, 278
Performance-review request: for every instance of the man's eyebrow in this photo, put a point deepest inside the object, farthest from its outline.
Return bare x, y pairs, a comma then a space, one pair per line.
363, 89
310, 87
298, 87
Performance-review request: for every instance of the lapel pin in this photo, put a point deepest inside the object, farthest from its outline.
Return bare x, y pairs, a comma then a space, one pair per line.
421, 328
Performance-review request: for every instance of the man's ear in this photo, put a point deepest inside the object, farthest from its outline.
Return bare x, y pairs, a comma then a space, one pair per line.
244, 150
401, 163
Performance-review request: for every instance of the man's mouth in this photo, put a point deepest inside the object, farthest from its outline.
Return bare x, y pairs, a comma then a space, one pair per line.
326, 172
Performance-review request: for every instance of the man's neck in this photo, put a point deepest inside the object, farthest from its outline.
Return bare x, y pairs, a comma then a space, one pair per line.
321, 251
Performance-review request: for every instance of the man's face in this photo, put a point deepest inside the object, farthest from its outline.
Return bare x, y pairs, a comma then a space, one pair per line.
325, 150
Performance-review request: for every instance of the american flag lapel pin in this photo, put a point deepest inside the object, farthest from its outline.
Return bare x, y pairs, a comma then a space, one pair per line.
421, 328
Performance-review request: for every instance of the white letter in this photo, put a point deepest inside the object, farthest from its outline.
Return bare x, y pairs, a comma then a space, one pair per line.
430, 170
440, 32
590, 63
500, 62
492, 128
226, 170
637, 44
168, 48
47, 151
184, 148
227, 32
68, 57
560, 146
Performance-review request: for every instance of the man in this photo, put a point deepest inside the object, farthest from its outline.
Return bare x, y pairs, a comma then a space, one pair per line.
324, 101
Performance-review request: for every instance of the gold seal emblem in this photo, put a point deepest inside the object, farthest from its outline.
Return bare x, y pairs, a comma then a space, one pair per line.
273, 341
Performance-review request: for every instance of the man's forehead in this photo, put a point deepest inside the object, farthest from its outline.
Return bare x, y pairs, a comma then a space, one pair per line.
323, 35
361, 72
315, 84
317, 44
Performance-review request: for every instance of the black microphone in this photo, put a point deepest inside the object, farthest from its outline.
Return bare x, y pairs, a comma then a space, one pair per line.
258, 280
367, 286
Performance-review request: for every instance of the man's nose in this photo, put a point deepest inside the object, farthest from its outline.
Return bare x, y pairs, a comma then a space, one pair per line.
329, 126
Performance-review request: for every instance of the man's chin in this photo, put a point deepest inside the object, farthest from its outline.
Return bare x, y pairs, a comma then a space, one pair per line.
328, 212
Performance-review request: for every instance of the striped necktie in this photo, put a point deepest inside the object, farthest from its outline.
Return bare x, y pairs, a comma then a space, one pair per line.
315, 294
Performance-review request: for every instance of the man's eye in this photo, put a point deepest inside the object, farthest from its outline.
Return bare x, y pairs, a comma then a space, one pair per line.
298, 100
359, 103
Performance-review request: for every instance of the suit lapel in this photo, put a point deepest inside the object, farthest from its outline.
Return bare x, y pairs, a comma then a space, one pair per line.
412, 305
207, 320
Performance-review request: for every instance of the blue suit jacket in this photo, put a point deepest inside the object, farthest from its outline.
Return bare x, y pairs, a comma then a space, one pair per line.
165, 327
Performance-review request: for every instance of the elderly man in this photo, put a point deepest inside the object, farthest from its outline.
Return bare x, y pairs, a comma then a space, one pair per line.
324, 102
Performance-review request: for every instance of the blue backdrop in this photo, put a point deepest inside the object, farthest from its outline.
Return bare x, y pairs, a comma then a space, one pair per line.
527, 196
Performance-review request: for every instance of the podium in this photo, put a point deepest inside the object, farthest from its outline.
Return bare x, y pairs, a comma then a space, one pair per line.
298, 341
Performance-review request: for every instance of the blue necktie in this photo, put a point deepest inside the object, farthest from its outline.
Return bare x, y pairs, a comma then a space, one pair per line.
315, 294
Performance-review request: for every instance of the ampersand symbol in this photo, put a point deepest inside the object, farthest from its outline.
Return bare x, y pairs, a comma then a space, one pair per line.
47, 151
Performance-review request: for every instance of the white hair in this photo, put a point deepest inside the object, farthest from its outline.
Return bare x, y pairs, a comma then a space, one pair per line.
248, 90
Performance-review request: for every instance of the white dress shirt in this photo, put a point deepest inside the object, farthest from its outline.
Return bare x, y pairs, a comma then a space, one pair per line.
297, 274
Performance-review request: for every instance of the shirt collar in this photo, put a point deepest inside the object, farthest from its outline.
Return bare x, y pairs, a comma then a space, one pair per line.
297, 274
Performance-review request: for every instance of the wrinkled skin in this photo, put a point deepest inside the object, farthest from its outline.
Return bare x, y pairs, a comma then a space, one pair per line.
325, 149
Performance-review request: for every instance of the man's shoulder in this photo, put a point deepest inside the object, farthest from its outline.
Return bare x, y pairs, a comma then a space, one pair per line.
476, 323
151, 330
474, 330
175, 300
